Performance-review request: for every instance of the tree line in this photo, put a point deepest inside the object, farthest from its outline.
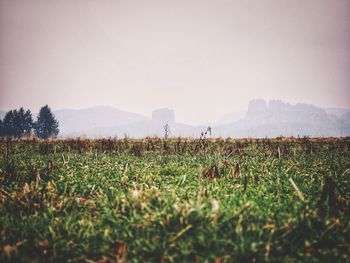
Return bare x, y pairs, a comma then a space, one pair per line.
19, 123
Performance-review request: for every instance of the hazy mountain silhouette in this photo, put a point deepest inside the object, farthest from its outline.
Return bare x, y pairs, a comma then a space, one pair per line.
277, 118
104, 121
231, 117
80, 121
262, 119
345, 123
337, 112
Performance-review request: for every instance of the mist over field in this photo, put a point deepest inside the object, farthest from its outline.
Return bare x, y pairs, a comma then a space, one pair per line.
272, 118
262, 119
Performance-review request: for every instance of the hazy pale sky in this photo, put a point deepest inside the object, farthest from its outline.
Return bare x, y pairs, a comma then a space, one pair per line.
202, 58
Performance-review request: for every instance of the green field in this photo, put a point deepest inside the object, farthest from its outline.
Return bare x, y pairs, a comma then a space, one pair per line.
176, 200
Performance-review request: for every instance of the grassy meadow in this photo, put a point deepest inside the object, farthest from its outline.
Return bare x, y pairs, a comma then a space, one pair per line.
175, 200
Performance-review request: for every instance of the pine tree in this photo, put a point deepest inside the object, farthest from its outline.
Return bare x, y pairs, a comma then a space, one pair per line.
23, 123
46, 125
1, 128
17, 123
8, 123
28, 123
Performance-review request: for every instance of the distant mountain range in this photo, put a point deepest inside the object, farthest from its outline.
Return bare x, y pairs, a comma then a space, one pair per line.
276, 118
93, 120
262, 119
104, 121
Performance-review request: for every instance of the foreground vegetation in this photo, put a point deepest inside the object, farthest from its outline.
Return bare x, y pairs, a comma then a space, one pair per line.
175, 200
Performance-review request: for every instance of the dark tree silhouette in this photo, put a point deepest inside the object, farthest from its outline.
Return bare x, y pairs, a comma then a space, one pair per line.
17, 123
1, 128
28, 122
8, 123
46, 126
23, 122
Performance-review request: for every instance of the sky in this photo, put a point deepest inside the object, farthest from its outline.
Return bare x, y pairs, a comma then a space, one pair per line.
201, 58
